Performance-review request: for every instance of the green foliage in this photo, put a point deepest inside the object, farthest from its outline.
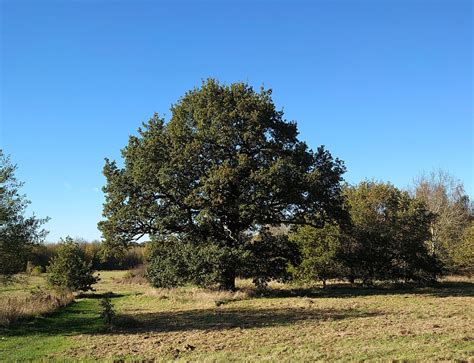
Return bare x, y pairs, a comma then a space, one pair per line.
319, 249
269, 258
386, 240
462, 254
388, 237
225, 164
172, 262
18, 234
68, 270
108, 311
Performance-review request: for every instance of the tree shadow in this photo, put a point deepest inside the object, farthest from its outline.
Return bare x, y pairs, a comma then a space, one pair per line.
74, 320
96, 295
80, 317
344, 290
229, 318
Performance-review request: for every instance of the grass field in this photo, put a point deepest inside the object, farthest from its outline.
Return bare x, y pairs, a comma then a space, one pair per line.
285, 324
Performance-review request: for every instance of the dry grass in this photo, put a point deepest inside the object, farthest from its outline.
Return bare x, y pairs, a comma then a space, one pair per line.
39, 302
135, 276
285, 323
198, 295
289, 323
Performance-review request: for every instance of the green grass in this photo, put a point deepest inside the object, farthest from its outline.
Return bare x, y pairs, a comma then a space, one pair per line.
286, 324
46, 335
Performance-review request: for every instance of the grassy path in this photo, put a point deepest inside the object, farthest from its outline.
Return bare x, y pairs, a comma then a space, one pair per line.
44, 336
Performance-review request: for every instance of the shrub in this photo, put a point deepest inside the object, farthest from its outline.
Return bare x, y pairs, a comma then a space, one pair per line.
269, 257
172, 262
319, 248
264, 257
108, 311
69, 271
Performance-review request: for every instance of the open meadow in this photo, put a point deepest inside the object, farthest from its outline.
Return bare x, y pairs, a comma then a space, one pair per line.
285, 323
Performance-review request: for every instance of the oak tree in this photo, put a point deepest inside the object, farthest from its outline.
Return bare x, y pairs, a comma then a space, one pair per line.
226, 166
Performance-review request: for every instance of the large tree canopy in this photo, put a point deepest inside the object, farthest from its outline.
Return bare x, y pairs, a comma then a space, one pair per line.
18, 233
387, 239
227, 165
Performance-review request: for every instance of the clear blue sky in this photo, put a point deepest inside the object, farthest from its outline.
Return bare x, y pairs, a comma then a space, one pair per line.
385, 85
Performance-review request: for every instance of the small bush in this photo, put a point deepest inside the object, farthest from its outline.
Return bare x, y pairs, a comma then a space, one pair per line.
68, 269
108, 311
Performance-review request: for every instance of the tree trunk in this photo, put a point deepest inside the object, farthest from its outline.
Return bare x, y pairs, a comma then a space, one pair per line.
228, 280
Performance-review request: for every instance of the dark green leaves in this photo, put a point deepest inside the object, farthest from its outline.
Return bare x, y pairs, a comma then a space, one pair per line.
225, 164
68, 270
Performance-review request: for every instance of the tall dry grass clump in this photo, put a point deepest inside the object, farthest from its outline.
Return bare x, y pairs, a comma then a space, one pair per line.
198, 295
133, 276
38, 303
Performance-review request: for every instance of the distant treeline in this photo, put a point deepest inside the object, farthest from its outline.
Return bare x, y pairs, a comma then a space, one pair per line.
41, 256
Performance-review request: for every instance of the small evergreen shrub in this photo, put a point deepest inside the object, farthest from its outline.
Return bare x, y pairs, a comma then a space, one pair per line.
108, 311
69, 271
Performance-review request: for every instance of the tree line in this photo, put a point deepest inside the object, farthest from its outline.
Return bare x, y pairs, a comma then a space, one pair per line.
40, 255
225, 188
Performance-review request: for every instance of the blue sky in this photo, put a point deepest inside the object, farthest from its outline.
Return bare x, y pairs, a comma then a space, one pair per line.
385, 85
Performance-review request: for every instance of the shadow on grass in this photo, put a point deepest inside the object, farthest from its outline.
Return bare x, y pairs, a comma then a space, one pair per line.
83, 316
442, 289
230, 318
80, 317
96, 295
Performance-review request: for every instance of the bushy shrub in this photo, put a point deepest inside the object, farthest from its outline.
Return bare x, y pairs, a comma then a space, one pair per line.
108, 311
37, 270
319, 249
171, 263
69, 271
265, 257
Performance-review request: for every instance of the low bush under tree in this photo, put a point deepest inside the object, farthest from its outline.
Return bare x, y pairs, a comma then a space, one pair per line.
319, 249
